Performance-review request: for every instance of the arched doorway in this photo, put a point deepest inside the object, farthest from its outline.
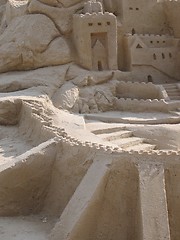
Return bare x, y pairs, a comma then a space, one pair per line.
99, 52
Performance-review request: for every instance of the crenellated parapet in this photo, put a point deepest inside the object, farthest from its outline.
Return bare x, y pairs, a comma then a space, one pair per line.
40, 128
171, 1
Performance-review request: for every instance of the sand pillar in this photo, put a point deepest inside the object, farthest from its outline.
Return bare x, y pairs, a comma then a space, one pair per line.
85, 202
154, 213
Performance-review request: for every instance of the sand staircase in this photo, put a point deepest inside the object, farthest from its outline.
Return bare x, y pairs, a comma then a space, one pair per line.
123, 138
173, 91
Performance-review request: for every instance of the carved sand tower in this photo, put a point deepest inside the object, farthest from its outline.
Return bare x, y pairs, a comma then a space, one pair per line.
95, 37
172, 11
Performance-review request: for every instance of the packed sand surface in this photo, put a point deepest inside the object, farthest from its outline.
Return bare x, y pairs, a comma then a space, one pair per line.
12, 143
25, 228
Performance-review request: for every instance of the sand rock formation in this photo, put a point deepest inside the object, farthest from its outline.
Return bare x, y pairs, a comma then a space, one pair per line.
2, 8
62, 17
66, 96
37, 47
14, 9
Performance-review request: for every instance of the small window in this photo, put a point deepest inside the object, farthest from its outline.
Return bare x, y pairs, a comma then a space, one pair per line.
170, 55
133, 31
149, 78
90, 24
151, 41
163, 56
99, 23
154, 56
108, 23
137, 9
130, 8
157, 41
164, 41
100, 66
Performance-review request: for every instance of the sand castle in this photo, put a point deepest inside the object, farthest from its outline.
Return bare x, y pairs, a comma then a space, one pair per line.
89, 120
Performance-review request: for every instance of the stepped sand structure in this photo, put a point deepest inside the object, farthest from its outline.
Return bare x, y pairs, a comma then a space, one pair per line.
89, 120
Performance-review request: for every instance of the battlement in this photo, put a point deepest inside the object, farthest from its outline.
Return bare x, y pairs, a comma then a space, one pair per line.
172, 1
43, 127
152, 40
155, 35
91, 16
93, 7
95, 22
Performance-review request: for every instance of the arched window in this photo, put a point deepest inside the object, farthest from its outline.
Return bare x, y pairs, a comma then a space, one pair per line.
154, 56
163, 56
149, 78
133, 31
100, 68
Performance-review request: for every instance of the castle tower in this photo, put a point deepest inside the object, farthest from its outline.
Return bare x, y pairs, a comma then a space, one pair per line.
95, 37
172, 9
144, 16
114, 6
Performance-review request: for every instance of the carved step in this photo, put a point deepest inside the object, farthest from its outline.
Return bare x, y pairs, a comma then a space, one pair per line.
123, 138
175, 97
143, 147
169, 85
116, 135
108, 130
172, 90
174, 93
128, 142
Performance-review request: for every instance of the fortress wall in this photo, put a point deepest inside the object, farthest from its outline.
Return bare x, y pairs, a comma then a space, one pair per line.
172, 180
140, 190
24, 182
144, 17
86, 24
137, 90
36, 125
156, 41
162, 59
135, 105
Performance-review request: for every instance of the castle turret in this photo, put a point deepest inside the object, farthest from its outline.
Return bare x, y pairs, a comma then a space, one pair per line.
172, 10
92, 7
95, 37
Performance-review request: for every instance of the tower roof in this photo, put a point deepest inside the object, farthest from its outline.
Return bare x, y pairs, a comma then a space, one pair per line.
93, 6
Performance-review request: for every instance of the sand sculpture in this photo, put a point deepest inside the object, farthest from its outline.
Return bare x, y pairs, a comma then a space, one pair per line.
89, 120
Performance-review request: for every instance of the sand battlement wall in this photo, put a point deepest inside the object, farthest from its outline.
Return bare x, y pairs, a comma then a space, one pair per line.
40, 128
171, 1
137, 90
